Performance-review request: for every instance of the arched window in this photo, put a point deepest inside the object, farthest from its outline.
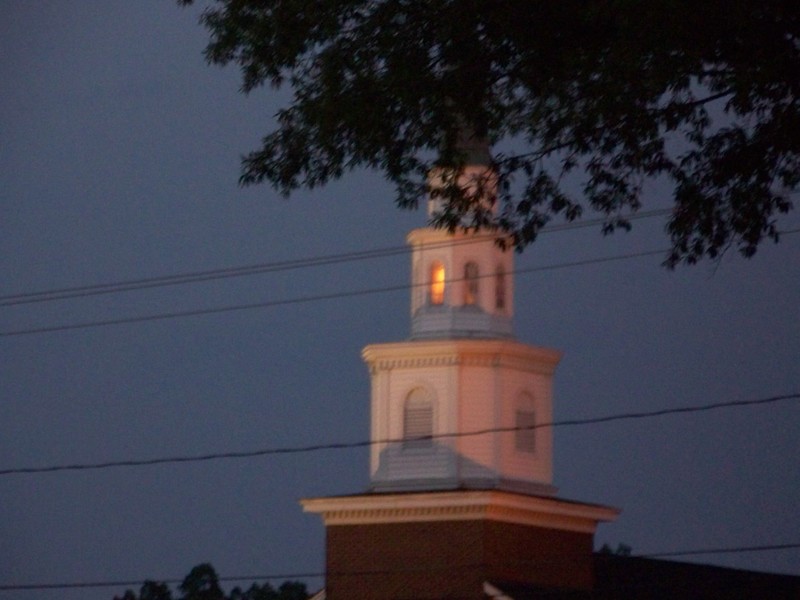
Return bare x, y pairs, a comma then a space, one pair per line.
500, 289
470, 283
525, 423
436, 290
417, 420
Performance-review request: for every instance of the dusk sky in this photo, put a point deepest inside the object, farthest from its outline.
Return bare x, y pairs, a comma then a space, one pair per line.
119, 160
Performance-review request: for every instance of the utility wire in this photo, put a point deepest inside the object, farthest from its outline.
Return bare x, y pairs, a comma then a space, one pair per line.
255, 269
720, 551
304, 299
309, 575
318, 297
366, 443
129, 582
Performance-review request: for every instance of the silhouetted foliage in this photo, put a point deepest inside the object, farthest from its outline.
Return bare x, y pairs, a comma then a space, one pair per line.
621, 550
202, 583
588, 95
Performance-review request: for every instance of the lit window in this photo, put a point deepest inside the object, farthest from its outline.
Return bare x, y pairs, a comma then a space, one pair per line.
417, 420
437, 283
500, 289
470, 283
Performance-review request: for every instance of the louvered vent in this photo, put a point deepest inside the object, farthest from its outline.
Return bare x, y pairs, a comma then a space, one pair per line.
525, 435
417, 420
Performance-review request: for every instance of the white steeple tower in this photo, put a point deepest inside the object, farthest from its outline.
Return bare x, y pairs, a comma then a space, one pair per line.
461, 455
461, 373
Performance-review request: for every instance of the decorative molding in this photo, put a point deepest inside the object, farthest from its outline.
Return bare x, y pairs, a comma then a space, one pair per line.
463, 505
481, 353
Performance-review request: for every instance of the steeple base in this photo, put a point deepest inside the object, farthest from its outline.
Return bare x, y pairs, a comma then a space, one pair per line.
450, 544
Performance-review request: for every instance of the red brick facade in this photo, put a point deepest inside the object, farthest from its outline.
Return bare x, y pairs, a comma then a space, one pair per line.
451, 559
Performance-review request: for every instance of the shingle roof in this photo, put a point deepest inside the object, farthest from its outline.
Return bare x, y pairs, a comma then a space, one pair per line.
633, 578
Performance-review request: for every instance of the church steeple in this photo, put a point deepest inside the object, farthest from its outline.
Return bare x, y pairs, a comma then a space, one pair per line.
461, 448
461, 372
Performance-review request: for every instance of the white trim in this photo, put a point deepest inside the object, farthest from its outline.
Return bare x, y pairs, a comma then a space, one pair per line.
466, 505
484, 352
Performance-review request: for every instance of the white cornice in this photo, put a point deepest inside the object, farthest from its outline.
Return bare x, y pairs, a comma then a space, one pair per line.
427, 353
467, 505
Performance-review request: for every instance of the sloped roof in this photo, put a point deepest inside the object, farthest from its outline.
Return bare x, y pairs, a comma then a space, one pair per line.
620, 577
634, 578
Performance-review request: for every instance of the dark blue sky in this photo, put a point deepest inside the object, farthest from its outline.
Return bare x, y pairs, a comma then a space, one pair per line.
119, 157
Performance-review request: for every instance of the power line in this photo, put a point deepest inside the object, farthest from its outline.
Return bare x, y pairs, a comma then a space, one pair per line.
720, 550
366, 443
316, 298
260, 268
129, 582
302, 299
194, 277
310, 575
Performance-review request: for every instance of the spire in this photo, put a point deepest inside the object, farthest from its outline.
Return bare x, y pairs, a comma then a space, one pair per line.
473, 171
476, 150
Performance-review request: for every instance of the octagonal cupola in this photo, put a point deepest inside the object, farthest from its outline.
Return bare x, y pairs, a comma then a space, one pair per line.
462, 284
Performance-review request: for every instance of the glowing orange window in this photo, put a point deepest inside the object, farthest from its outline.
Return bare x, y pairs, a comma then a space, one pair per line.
437, 283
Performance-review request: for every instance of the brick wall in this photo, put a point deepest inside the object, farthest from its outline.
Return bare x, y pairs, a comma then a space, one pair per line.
450, 559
